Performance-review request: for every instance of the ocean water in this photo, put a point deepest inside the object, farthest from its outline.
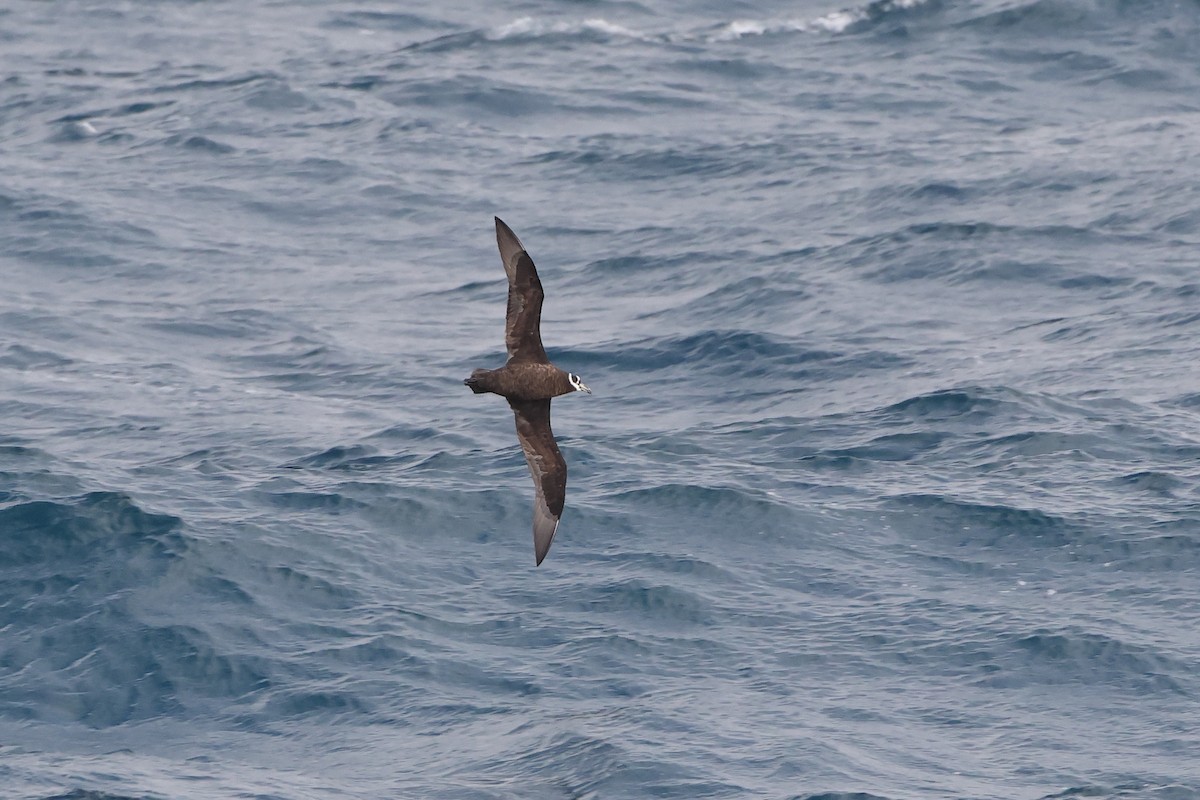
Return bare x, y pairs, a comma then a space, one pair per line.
889, 487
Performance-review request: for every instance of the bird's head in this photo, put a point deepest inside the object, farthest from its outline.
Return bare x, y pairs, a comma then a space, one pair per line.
577, 382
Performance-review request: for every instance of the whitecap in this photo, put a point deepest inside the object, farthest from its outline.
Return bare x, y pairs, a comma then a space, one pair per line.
833, 22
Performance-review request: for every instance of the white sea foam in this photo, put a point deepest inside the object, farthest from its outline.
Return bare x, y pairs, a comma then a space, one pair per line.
838, 21
748, 27
833, 22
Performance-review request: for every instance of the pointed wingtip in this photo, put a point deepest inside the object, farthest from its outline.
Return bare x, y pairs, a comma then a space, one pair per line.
543, 535
502, 229
510, 246
540, 549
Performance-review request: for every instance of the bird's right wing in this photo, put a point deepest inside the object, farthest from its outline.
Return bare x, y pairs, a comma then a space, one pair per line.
547, 466
523, 324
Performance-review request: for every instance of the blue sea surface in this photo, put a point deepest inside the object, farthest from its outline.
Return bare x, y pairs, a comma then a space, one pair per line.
889, 488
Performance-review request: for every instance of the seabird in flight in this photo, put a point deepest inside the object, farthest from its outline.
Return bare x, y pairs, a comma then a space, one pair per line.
528, 380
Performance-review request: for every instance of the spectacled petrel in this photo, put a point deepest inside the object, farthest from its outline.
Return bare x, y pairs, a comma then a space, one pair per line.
528, 380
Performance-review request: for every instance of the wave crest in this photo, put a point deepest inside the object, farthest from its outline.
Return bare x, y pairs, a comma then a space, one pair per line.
532, 28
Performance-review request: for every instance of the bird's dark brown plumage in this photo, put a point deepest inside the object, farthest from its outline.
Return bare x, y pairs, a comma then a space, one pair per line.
547, 466
523, 323
528, 381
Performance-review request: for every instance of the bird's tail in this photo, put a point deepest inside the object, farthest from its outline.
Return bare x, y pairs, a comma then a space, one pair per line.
476, 381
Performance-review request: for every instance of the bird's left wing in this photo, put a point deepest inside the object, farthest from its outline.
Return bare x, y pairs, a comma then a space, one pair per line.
547, 466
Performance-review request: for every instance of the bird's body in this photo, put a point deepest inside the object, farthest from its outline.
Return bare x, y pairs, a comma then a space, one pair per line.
522, 381
528, 381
